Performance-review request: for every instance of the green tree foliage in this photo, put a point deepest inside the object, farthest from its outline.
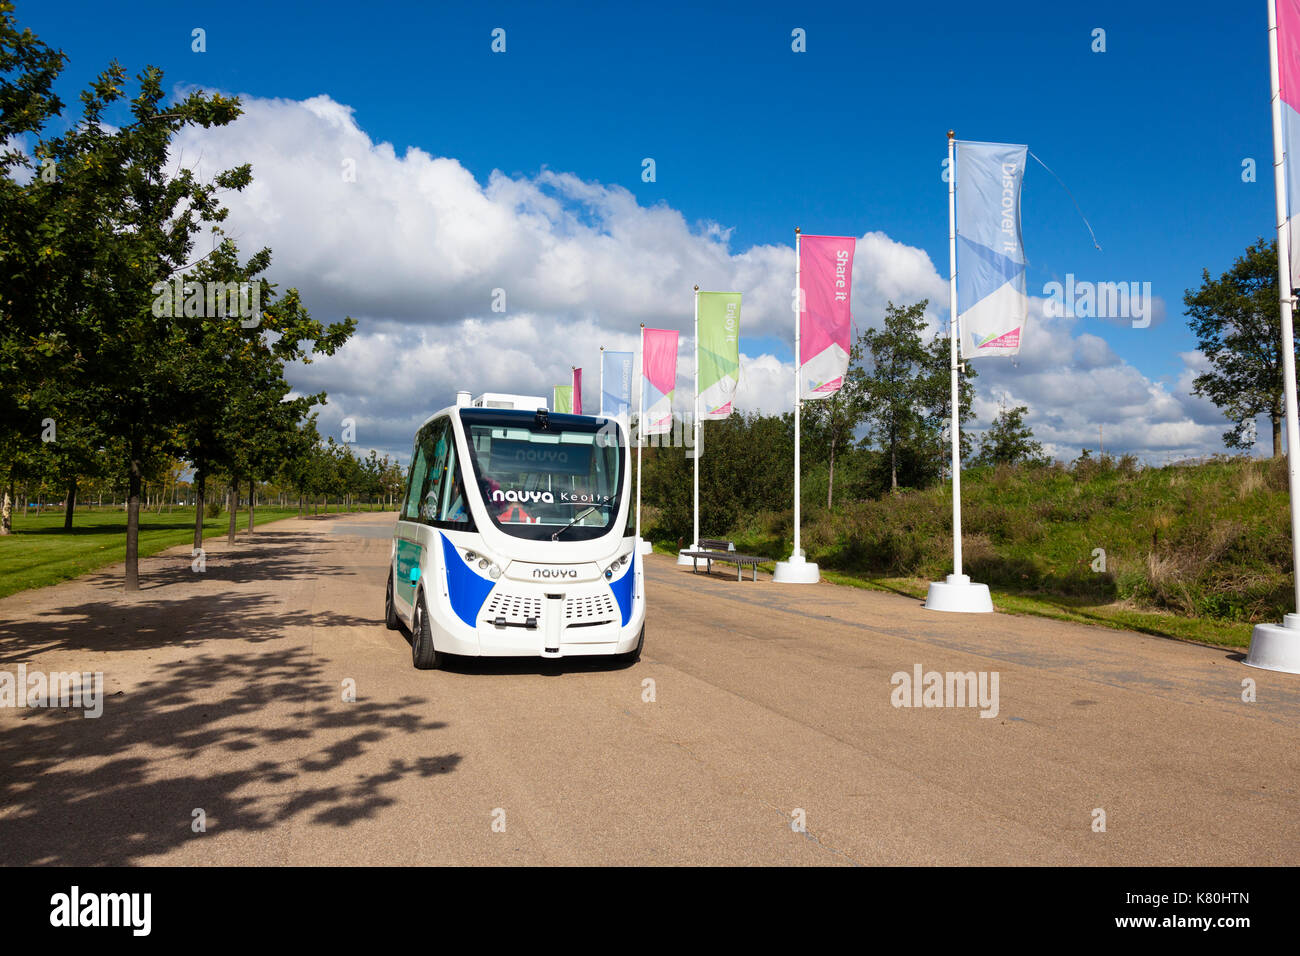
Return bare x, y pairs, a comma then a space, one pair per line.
28, 70
98, 220
745, 467
121, 218
1236, 319
891, 383
907, 394
829, 425
1009, 441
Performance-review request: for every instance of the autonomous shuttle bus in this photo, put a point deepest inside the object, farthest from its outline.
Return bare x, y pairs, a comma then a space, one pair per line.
514, 538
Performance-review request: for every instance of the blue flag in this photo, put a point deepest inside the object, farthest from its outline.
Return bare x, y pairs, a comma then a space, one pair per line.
616, 384
991, 302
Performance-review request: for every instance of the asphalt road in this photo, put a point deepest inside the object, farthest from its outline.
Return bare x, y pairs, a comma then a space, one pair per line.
755, 706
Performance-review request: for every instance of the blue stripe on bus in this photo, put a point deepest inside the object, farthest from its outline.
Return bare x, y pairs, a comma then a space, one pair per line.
622, 589
466, 589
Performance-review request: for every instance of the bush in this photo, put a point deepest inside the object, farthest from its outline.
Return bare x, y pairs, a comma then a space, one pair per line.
1208, 539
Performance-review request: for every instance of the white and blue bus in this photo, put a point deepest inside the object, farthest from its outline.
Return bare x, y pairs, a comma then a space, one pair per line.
514, 537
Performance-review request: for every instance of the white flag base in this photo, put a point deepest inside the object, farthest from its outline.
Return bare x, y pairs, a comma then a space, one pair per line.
1276, 647
957, 593
683, 561
796, 570
644, 547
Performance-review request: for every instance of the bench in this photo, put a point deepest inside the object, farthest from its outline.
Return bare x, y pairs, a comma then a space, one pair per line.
716, 549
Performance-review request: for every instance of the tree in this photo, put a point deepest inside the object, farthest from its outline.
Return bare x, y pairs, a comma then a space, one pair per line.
1236, 320
28, 71
116, 220
935, 387
890, 387
831, 422
1010, 441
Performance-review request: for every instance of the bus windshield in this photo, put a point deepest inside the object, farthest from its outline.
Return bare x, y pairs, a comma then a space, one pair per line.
537, 476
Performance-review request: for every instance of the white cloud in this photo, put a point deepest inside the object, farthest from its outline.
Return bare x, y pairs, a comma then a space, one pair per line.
413, 246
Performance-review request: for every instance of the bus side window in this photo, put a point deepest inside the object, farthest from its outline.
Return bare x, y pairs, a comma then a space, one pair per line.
435, 443
415, 483
454, 506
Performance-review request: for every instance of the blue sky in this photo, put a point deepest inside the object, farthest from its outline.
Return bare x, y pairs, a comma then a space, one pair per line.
843, 139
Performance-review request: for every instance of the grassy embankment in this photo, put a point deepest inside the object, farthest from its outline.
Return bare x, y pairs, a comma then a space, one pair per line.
40, 552
1193, 552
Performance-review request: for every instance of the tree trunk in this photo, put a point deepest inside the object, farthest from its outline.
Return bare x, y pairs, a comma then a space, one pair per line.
199, 479
893, 466
830, 478
7, 510
252, 503
1277, 435
71, 503
132, 582
234, 507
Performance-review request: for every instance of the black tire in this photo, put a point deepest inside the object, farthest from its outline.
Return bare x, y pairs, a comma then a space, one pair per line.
391, 620
423, 654
634, 655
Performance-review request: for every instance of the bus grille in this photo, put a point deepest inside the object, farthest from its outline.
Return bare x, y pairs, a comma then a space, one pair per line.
513, 607
589, 609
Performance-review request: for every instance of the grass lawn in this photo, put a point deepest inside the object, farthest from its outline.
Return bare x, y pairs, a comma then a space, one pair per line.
1080, 611
40, 552
1118, 615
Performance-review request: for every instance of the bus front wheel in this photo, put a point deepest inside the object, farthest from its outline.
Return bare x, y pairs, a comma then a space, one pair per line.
423, 654
390, 610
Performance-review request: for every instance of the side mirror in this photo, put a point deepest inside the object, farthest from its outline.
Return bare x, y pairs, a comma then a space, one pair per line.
415, 574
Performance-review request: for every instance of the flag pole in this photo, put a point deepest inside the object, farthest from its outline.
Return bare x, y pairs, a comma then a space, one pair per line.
695, 532
957, 593
953, 333
797, 569
797, 551
682, 559
1273, 646
640, 431
600, 409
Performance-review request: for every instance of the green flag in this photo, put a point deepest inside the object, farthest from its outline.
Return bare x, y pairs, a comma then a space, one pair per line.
562, 401
719, 351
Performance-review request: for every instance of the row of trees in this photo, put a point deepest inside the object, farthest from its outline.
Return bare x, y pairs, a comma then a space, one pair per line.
95, 219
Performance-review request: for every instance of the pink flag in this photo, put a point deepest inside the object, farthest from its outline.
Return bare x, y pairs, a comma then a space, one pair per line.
825, 317
658, 380
1288, 68
577, 391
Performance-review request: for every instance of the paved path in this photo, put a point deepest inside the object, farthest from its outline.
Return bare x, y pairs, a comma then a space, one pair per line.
224, 693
